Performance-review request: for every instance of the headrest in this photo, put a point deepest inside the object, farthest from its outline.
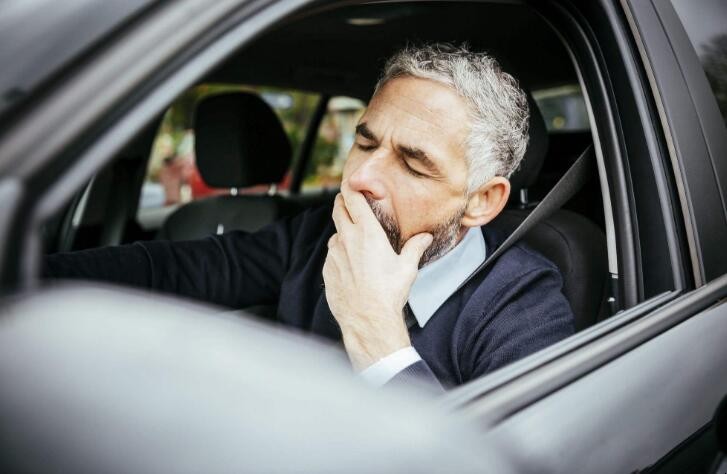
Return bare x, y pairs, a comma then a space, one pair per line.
239, 141
529, 169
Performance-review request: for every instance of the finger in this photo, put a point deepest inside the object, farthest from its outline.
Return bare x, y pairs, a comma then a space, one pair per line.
341, 218
415, 247
328, 273
333, 240
356, 205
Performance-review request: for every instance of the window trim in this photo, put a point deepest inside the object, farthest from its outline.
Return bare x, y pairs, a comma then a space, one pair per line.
306, 149
680, 124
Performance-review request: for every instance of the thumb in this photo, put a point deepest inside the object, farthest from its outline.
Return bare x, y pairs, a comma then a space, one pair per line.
416, 245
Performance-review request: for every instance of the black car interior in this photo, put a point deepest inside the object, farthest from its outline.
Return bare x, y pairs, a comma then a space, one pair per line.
240, 142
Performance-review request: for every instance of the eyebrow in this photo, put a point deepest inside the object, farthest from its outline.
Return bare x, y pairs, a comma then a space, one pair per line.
364, 130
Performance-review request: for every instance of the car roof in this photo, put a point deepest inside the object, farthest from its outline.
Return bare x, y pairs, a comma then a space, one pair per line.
340, 50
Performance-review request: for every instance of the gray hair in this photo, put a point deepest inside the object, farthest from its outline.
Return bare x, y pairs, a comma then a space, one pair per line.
497, 106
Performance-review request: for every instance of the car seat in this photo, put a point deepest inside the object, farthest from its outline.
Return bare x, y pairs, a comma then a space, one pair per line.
239, 142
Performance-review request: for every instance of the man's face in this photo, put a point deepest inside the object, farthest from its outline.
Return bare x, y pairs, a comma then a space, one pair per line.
408, 160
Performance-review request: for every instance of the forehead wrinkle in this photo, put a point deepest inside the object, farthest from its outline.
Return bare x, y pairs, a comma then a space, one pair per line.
441, 96
428, 146
436, 116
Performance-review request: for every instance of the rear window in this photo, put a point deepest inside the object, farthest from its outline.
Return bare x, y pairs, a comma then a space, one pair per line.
335, 139
563, 108
172, 176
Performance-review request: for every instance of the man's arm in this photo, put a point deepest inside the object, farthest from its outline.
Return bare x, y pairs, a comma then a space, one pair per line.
236, 269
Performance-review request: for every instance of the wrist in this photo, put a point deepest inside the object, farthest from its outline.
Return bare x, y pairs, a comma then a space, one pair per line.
365, 350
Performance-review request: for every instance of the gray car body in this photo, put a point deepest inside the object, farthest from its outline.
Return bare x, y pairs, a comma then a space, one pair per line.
629, 393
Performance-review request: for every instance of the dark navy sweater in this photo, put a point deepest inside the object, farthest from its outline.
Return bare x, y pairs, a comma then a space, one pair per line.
508, 311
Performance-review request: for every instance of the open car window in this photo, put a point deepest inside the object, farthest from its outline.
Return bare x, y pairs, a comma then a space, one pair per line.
563, 108
595, 279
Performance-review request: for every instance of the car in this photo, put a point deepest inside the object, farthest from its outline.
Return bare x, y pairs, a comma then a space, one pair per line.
88, 105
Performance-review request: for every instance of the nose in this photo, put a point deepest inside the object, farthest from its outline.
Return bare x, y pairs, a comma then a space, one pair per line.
368, 177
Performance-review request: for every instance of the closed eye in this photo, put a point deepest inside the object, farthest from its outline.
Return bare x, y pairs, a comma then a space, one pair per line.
402, 160
412, 171
365, 147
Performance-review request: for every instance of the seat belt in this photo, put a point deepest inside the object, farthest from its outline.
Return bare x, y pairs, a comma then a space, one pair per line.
571, 182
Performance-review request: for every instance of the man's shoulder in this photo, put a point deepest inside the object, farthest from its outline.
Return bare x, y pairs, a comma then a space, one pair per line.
313, 220
520, 287
517, 308
517, 261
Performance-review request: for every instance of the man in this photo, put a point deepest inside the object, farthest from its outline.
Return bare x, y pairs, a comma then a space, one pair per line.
443, 131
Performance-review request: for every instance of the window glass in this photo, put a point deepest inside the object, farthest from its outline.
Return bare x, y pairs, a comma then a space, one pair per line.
563, 108
705, 22
335, 138
172, 176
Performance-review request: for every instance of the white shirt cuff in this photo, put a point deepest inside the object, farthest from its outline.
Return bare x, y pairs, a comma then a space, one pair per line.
385, 369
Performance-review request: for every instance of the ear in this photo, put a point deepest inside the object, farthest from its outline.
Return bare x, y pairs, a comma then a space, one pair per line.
486, 202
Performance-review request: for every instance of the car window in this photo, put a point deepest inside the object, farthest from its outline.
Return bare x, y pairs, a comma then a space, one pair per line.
172, 176
335, 138
563, 108
707, 32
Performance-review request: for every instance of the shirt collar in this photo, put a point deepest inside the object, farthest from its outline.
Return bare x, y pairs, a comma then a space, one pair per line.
438, 280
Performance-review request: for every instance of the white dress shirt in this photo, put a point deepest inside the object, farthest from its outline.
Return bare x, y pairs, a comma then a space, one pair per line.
434, 283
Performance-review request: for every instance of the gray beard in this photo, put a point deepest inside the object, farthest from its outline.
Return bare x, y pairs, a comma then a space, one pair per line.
445, 234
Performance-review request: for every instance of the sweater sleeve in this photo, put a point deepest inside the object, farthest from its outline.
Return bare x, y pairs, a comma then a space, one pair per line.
527, 314
236, 269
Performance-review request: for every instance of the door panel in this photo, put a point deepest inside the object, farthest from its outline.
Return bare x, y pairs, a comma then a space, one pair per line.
631, 412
